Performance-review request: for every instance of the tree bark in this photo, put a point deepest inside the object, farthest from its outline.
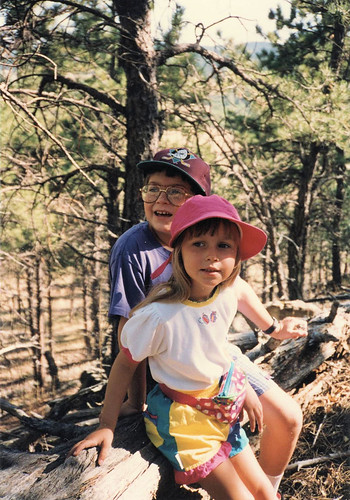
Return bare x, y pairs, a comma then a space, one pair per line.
300, 225
137, 57
338, 212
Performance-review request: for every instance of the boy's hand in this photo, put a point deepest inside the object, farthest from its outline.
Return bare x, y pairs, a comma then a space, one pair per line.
253, 407
102, 438
128, 409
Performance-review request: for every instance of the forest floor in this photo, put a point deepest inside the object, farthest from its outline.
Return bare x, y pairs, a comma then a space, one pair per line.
313, 474
320, 466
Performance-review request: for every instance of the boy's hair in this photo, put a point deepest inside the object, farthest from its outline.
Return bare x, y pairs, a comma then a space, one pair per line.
178, 287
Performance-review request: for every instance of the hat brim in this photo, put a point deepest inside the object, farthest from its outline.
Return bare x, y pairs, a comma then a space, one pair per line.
144, 165
252, 240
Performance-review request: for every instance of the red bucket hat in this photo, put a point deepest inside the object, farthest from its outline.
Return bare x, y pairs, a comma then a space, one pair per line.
187, 163
199, 208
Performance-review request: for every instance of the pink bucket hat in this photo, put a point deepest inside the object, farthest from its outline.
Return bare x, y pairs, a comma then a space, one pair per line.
199, 208
184, 161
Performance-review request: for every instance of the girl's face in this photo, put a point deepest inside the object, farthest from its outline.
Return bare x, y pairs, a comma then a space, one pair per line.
209, 259
160, 213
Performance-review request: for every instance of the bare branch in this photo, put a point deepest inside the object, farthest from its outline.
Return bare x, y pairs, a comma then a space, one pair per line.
259, 84
96, 94
82, 7
12, 100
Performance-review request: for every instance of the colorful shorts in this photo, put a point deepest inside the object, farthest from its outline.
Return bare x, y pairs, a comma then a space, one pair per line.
194, 443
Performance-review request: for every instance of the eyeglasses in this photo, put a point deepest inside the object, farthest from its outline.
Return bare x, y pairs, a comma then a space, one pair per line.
176, 195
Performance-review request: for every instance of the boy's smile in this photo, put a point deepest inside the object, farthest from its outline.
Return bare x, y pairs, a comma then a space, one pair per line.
160, 213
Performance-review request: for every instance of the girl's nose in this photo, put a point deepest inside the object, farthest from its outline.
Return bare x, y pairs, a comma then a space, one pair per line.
212, 258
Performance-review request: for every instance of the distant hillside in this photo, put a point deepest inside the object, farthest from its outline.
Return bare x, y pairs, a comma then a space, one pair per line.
256, 47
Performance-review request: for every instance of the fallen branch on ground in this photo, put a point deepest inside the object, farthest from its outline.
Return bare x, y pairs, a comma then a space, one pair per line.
318, 460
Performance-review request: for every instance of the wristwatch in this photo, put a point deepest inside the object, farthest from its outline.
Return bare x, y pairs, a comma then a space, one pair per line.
272, 328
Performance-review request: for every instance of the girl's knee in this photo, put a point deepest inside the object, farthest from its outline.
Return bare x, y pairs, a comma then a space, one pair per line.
280, 408
293, 418
293, 410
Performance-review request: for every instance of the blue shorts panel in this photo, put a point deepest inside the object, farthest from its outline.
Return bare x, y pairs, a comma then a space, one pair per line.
237, 439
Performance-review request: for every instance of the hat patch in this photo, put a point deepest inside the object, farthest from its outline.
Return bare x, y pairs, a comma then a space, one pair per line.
179, 156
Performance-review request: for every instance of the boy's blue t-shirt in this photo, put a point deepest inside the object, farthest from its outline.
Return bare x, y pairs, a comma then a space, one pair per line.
134, 257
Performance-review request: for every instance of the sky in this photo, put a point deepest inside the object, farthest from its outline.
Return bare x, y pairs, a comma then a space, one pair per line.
251, 12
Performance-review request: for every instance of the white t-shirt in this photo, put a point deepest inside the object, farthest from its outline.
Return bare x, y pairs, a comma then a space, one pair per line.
186, 343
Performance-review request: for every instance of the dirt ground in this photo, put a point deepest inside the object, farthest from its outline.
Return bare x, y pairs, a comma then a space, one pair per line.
326, 433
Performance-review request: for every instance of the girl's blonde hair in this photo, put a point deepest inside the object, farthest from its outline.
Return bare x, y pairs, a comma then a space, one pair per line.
178, 287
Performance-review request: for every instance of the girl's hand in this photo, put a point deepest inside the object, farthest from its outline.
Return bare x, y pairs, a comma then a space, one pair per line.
290, 328
102, 438
253, 407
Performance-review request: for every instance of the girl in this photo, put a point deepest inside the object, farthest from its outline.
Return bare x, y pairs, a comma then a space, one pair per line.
138, 262
193, 412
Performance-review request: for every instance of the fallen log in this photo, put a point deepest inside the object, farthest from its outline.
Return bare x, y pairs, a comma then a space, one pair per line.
292, 361
245, 341
134, 469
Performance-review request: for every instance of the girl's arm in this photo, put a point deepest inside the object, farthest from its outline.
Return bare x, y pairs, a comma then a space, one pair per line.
250, 305
137, 389
253, 407
119, 379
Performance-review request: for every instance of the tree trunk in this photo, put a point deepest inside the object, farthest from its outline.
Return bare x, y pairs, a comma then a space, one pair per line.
49, 308
300, 225
32, 317
96, 294
137, 57
112, 205
87, 339
40, 350
338, 212
95, 312
29, 285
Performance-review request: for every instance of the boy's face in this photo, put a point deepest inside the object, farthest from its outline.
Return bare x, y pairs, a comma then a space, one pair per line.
160, 213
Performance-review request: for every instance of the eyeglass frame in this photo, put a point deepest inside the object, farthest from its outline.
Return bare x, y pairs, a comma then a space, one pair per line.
180, 188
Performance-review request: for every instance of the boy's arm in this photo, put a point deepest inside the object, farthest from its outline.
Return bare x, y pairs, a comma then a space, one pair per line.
250, 305
119, 379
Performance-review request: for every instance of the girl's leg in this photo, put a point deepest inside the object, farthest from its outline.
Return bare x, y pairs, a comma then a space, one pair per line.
248, 469
224, 483
239, 478
282, 425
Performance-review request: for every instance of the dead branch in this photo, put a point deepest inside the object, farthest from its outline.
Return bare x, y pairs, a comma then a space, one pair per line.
17, 347
43, 425
318, 460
